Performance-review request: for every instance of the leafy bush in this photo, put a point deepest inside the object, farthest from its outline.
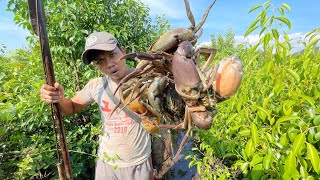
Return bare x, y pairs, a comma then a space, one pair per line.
270, 128
27, 138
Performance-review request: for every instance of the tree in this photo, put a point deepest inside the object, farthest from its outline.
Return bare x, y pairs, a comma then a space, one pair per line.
68, 23
226, 46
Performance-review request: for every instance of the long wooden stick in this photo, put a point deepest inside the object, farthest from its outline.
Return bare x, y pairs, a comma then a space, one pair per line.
37, 17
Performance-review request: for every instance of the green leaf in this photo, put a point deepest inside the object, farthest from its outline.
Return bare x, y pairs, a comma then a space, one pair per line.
316, 121
310, 100
313, 36
298, 143
253, 24
284, 20
313, 42
313, 155
254, 8
245, 132
281, 11
263, 18
266, 40
231, 118
317, 136
283, 140
290, 164
254, 48
287, 107
250, 30
293, 74
256, 159
303, 172
286, 118
267, 160
239, 105
270, 137
286, 37
263, 110
243, 167
286, 6
310, 178
249, 149
271, 121
254, 134
309, 33
262, 30
256, 172
275, 34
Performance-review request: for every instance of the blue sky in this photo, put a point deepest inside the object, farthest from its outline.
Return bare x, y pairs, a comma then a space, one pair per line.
11, 35
304, 16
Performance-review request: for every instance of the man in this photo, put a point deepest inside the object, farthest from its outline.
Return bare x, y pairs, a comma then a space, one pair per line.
124, 146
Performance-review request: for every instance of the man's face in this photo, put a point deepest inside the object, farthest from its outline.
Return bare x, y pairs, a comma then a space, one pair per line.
106, 62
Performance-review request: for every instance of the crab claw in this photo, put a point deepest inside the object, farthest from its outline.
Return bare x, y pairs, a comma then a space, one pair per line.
186, 76
202, 120
228, 77
200, 117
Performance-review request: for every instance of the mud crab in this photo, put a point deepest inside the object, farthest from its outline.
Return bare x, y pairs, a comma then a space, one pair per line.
170, 90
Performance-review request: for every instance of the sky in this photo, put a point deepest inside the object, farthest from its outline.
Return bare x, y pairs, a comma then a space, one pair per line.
304, 16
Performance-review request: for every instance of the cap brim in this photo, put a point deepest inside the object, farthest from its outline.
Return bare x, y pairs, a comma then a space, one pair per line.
102, 47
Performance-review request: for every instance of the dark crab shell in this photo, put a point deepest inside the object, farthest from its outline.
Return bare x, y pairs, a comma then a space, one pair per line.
168, 42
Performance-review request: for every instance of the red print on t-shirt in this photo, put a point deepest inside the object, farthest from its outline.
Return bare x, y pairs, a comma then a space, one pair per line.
106, 106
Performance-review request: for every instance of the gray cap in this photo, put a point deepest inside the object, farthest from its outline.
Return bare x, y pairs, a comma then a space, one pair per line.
98, 41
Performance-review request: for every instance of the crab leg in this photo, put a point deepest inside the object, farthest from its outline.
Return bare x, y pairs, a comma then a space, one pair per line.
190, 15
211, 52
205, 15
172, 126
147, 56
188, 120
131, 75
141, 55
170, 162
134, 90
211, 77
116, 107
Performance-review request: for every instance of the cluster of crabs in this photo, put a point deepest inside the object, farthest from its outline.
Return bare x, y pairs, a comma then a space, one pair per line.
170, 90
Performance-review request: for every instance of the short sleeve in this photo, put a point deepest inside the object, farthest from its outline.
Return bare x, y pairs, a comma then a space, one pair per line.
87, 94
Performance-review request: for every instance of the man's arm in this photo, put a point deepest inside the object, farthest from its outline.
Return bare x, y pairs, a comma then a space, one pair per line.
49, 94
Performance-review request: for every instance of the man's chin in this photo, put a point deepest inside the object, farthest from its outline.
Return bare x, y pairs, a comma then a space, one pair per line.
116, 76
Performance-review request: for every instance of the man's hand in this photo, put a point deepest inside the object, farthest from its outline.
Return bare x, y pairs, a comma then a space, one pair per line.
49, 94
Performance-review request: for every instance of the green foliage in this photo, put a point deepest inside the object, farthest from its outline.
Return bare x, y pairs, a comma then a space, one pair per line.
270, 128
27, 139
69, 22
225, 46
2, 49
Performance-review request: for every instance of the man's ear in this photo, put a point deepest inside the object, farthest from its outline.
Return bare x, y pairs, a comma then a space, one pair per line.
123, 49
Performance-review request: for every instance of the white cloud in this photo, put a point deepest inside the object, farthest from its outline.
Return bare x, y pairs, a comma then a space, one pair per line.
205, 43
251, 39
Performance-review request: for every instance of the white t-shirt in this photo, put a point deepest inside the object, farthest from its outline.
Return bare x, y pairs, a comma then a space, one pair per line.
123, 141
